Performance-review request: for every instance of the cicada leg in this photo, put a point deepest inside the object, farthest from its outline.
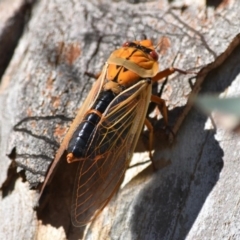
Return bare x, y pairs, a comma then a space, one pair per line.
92, 75
163, 109
161, 104
166, 72
150, 142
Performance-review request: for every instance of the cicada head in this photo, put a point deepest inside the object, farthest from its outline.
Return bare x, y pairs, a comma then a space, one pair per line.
146, 46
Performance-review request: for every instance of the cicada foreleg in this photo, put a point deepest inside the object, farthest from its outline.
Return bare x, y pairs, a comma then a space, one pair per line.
92, 75
162, 107
161, 104
166, 72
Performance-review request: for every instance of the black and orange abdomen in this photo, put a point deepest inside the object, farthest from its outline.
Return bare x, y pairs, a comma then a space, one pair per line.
81, 139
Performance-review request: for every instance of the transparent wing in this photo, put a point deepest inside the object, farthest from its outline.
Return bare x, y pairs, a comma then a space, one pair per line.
114, 140
97, 86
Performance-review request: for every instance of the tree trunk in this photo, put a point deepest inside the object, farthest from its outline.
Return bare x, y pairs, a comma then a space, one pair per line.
46, 47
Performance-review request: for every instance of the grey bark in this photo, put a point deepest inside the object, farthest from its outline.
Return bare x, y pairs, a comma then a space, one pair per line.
194, 194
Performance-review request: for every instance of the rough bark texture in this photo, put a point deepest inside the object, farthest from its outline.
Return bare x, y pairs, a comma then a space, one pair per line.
194, 194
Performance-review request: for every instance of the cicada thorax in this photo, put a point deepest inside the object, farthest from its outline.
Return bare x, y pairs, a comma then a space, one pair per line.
137, 57
127, 66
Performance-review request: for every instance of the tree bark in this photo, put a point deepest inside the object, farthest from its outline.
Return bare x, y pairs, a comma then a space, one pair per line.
194, 194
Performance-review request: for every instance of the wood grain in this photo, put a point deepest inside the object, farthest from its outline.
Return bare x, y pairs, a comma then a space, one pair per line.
195, 192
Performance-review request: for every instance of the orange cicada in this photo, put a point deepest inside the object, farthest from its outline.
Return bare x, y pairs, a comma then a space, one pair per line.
106, 129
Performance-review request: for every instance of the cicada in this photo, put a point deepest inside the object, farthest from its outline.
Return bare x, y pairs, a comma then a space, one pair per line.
105, 132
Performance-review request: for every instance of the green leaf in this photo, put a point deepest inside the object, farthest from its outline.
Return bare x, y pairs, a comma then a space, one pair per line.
223, 105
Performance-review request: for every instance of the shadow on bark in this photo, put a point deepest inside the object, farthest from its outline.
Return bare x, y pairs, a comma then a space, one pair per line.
182, 188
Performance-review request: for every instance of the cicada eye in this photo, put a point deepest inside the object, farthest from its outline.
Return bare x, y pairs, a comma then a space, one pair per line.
154, 55
126, 44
